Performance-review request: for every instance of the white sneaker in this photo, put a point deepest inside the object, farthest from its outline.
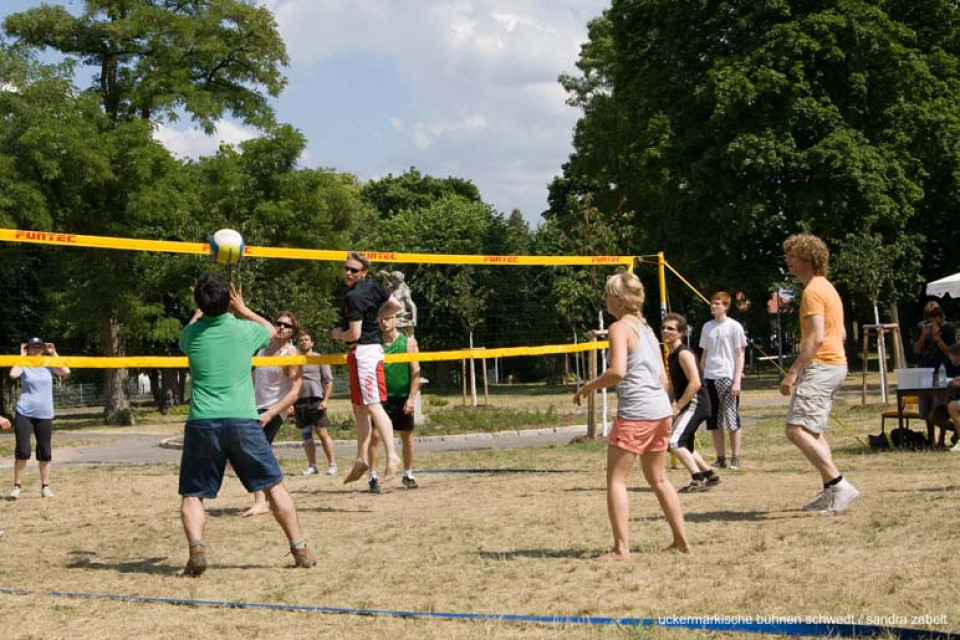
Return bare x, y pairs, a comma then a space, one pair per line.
822, 501
15, 494
332, 469
311, 470
955, 448
842, 495
46, 492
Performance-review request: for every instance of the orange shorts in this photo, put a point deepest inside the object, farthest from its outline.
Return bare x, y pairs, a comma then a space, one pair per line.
641, 436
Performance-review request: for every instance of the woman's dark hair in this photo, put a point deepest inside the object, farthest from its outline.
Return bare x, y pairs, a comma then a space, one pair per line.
212, 293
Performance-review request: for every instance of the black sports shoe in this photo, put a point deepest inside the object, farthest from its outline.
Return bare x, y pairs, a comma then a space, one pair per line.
713, 480
719, 463
373, 486
410, 482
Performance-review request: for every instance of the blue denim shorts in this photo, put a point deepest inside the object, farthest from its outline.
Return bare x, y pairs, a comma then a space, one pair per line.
209, 444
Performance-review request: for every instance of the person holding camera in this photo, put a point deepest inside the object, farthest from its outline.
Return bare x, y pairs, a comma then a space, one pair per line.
34, 414
932, 348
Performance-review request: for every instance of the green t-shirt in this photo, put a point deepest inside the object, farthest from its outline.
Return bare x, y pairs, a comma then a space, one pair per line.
220, 351
397, 374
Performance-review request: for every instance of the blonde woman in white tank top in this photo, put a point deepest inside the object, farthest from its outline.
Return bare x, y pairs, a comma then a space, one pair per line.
643, 423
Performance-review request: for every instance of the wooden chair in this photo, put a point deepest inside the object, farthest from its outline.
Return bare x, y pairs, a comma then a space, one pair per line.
911, 411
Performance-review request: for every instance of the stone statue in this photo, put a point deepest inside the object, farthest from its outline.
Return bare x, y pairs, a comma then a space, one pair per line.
393, 281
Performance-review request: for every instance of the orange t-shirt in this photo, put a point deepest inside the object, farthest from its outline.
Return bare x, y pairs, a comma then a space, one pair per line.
820, 298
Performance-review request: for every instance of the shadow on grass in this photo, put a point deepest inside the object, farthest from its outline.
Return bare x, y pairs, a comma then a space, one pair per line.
604, 489
150, 566
536, 553
237, 511
729, 516
926, 490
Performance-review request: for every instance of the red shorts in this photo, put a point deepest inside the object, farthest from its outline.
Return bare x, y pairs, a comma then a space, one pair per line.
641, 436
365, 371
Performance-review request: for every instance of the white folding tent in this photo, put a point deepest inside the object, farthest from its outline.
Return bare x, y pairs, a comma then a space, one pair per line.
949, 286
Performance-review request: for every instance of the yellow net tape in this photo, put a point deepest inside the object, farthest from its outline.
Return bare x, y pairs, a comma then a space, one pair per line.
198, 248
180, 362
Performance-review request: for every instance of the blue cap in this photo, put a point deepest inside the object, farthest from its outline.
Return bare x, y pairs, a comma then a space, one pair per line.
33, 341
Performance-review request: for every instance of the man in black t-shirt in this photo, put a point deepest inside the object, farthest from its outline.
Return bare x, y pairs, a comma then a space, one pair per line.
366, 301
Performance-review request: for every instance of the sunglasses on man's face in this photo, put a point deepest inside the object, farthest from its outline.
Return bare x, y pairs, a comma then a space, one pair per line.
352, 270
283, 325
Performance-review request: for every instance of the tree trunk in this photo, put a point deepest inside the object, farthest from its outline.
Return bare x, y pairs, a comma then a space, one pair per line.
170, 387
117, 410
900, 359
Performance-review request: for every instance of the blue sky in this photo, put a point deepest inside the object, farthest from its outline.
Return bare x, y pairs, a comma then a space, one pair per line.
453, 87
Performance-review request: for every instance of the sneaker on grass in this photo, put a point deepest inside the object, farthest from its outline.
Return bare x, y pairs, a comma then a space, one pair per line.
841, 496
303, 557
719, 463
15, 494
410, 482
822, 501
735, 464
695, 486
311, 470
46, 492
373, 485
332, 469
197, 563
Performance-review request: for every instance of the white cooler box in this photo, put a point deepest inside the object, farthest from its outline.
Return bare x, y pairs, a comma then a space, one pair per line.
920, 378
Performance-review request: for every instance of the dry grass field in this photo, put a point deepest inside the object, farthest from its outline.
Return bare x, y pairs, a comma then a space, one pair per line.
497, 543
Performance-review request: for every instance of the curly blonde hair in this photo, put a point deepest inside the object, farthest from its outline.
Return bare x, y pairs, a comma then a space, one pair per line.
809, 247
627, 288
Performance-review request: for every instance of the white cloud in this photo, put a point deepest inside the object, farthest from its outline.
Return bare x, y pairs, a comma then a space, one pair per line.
483, 100
193, 143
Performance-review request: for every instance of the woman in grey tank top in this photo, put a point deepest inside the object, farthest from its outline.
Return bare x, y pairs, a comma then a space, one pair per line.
642, 425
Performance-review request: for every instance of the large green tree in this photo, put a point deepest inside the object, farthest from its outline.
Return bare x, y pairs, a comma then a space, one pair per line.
153, 60
718, 128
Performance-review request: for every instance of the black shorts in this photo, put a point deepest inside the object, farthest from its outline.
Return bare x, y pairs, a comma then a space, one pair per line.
394, 408
273, 427
310, 415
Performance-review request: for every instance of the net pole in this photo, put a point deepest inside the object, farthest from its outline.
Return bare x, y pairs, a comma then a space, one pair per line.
605, 428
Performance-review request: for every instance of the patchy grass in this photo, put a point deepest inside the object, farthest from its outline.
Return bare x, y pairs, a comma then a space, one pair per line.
510, 543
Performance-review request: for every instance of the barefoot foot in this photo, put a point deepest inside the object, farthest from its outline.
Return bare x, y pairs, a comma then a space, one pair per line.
359, 468
614, 556
393, 465
258, 509
678, 548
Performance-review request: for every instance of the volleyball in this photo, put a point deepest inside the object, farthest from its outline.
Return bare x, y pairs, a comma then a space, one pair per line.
226, 246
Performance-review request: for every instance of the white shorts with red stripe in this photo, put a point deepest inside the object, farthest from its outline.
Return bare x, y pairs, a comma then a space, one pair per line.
368, 385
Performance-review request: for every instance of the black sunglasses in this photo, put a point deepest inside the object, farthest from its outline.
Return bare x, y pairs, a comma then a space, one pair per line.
284, 325
353, 270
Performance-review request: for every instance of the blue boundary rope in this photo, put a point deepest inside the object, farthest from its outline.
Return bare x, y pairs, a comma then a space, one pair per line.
681, 622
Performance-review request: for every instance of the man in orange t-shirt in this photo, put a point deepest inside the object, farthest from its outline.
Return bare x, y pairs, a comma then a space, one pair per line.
818, 371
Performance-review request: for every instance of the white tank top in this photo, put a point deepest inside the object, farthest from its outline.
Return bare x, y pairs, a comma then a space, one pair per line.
270, 383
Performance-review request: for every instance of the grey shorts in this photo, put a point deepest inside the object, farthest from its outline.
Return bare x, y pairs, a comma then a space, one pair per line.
813, 396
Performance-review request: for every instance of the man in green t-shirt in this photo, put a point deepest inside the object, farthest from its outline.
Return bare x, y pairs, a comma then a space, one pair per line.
223, 425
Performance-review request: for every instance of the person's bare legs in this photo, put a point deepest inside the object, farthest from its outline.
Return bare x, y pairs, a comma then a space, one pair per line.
381, 422
327, 443
815, 449
310, 451
700, 462
406, 439
362, 419
735, 440
655, 472
194, 517
686, 459
718, 443
373, 452
284, 511
260, 506
19, 466
619, 463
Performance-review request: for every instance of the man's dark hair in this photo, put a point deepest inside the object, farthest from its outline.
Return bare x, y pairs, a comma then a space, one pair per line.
212, 293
